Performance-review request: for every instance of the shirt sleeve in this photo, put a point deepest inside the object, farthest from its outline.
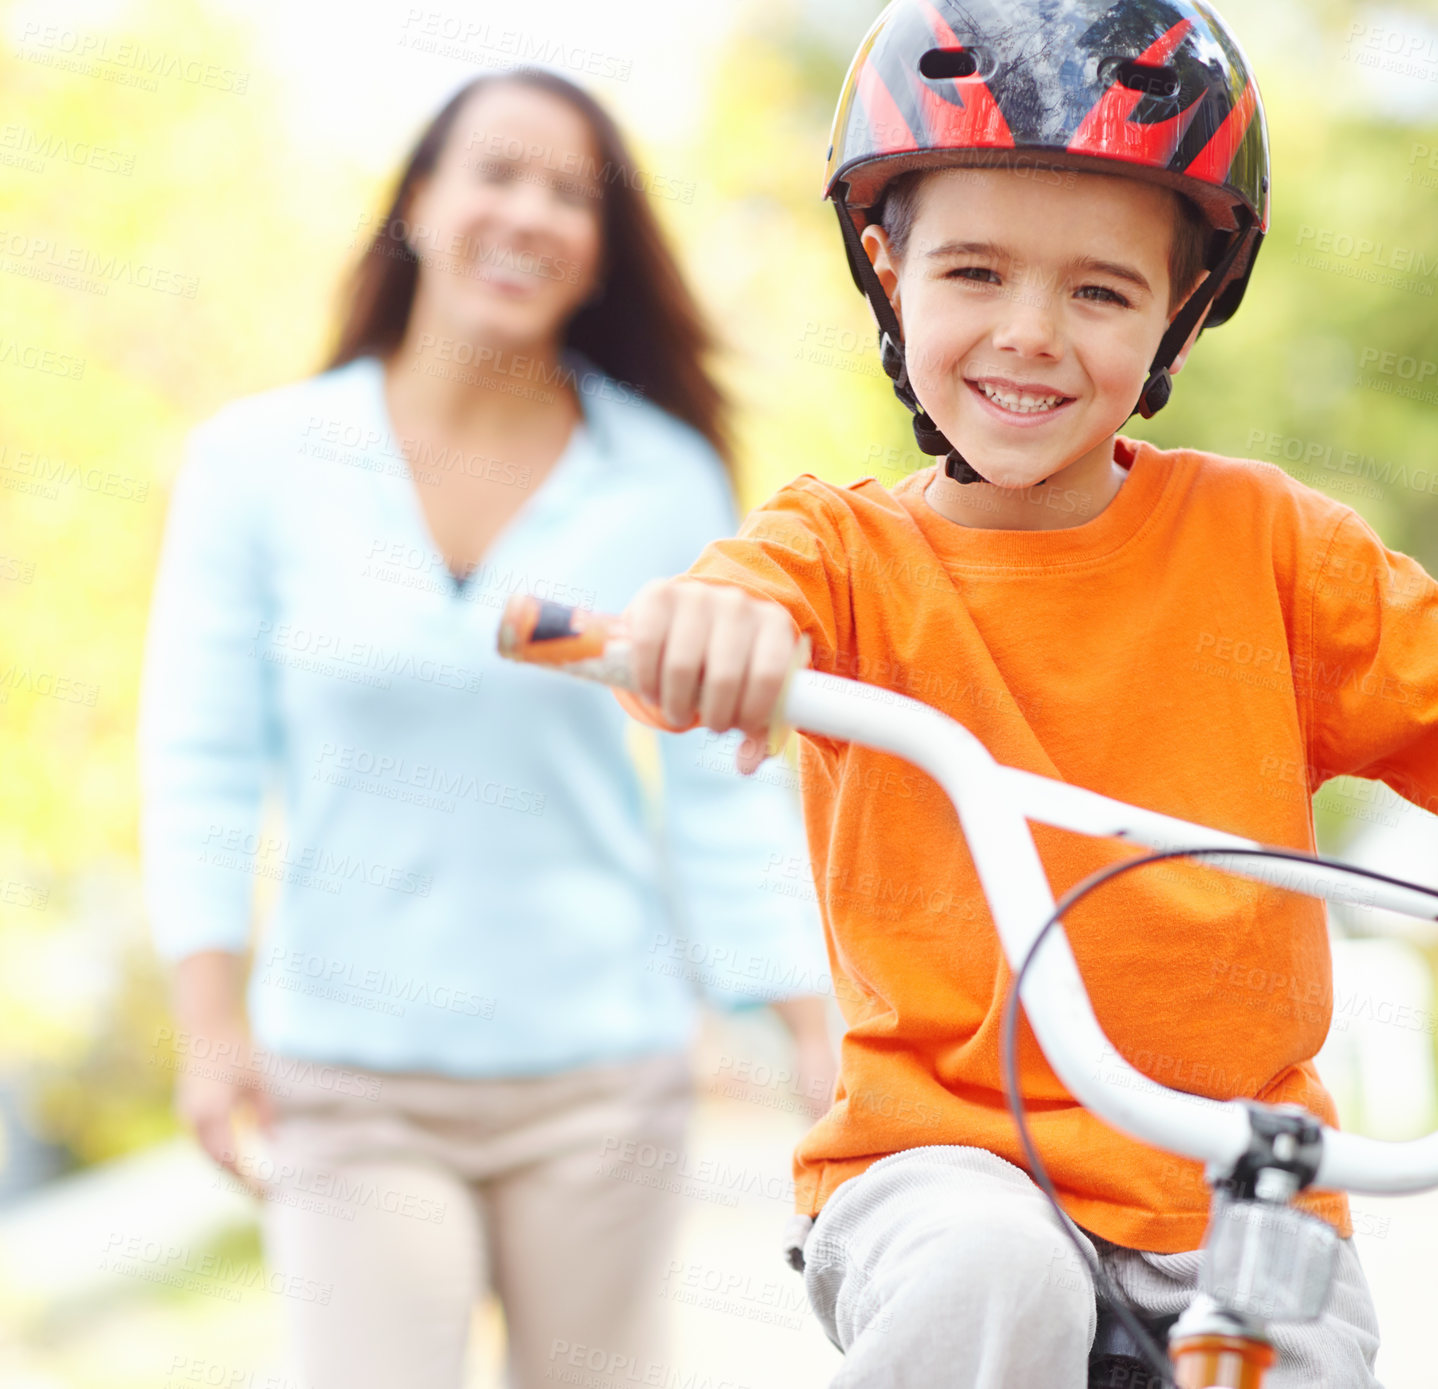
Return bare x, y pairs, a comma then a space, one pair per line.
1372, 680
203, 697
790, 551
745, 912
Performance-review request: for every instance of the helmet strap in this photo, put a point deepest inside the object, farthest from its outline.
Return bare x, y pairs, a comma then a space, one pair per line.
929, 437
1159, 386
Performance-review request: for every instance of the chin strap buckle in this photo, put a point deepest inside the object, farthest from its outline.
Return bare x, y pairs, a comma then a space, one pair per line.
959, 468
892, 357
1156, 393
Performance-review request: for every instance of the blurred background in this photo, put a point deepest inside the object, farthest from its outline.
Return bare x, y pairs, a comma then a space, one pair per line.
185, 183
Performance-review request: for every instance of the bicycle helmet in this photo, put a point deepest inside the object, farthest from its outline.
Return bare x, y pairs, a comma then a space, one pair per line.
1153, 89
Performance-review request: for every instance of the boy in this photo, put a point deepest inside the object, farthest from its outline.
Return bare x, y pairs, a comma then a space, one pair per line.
1044, 201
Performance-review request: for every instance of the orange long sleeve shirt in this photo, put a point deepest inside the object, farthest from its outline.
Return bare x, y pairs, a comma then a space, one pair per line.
1215, 644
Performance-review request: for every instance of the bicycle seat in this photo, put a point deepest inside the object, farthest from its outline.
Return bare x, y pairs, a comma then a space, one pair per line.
1115, 1361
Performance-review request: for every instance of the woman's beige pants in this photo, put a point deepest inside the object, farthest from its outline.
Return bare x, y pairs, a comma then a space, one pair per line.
398, 1199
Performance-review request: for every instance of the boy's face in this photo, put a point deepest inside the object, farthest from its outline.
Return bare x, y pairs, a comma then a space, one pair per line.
1031, 307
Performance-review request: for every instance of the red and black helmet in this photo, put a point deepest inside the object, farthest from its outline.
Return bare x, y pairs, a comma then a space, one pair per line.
1155, 89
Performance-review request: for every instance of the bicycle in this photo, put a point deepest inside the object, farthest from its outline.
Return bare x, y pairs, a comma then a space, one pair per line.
1264, 1260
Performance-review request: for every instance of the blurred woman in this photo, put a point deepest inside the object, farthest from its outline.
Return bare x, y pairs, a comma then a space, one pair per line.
466, 1027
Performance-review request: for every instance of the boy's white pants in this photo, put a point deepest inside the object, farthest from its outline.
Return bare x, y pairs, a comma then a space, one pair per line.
946, 1265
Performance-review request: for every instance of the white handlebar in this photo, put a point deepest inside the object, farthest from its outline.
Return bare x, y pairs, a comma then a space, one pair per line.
994, 803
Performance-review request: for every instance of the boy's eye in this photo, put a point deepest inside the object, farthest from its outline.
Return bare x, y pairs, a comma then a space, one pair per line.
1101, 294
979, 274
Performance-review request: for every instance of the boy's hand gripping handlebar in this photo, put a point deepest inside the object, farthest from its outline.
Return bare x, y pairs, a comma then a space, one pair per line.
994, 803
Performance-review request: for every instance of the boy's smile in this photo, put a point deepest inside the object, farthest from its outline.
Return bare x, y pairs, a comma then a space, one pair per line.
1031, 310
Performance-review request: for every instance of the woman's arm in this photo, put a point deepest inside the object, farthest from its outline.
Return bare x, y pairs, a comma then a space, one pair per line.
204, 697
202, 746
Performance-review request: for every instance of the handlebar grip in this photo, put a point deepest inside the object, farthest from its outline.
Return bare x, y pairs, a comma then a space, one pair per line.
593, 646
596, 646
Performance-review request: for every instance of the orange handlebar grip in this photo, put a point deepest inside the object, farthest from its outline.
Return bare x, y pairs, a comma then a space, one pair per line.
593, 646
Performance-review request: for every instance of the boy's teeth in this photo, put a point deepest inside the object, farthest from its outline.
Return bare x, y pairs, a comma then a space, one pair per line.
1020, 401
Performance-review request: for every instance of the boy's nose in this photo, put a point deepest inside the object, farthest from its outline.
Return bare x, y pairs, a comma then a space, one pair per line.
1027, 324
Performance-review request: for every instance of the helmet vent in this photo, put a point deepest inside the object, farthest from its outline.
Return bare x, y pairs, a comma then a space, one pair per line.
941, 63
1161, 82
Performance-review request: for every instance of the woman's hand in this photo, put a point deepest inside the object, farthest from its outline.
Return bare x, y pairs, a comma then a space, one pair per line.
712, 651
816, 1067
213, 1093
217, 1085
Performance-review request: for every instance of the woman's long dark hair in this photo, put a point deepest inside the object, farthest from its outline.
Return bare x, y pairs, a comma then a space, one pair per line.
644, 329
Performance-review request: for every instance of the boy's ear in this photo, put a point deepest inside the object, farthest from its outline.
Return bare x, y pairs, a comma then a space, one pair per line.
881, 257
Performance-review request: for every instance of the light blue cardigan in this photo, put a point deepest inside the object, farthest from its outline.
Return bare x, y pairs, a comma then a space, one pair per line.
466, 878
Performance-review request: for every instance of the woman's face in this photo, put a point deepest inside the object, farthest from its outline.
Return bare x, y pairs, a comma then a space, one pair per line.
508, 226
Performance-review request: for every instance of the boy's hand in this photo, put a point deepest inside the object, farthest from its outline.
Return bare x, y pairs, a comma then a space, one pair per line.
714, 651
